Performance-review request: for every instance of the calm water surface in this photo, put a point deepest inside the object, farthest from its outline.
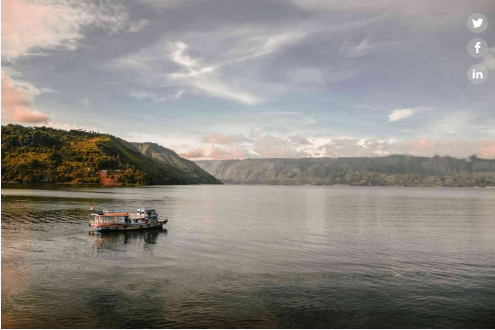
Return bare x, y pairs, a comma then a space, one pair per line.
251, 256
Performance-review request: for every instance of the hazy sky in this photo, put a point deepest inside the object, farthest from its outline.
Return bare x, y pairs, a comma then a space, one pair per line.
238, 79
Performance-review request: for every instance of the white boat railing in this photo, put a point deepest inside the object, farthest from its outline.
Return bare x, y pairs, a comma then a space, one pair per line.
108, 217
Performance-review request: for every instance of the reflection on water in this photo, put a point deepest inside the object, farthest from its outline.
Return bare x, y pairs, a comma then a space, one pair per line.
112, 240
251, 256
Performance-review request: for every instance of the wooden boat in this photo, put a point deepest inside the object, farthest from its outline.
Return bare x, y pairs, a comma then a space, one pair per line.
115, 220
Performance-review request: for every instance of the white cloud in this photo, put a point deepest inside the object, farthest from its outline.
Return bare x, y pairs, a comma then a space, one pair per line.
454, 123
356, 50
219, 146
154, 97
220, 71
423, 147
218, 138
31, 27
399, 114
67, 127
206, 77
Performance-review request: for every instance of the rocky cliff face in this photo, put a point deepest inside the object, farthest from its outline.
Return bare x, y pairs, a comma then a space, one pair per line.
188, 169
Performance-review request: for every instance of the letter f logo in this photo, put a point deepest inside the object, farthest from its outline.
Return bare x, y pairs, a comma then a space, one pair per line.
477, 46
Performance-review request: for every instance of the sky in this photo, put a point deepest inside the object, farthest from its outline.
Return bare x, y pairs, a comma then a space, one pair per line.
254, 79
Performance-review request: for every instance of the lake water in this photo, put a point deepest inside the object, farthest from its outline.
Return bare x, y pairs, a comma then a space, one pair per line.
251, 256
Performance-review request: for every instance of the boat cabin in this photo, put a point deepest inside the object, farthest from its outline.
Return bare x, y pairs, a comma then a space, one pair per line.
111, 217
147, 214
116, 217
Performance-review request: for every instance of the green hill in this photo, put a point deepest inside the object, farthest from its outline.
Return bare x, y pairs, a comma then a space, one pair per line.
42, 154
396, 170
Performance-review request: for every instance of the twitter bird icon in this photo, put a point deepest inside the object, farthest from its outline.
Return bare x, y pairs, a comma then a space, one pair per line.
477, 22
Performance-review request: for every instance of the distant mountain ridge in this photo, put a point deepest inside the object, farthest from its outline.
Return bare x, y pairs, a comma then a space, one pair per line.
395, 170
43, 154
170, 158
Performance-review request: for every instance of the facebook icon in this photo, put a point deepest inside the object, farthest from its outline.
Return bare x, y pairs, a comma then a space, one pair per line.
477, 48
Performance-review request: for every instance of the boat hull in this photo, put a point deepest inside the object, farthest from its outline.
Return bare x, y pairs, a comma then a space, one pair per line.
143, 226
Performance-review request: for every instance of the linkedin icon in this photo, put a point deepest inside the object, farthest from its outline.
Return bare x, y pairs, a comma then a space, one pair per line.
477, 74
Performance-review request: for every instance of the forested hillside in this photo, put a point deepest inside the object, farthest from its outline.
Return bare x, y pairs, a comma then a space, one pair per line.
42, 154
396, 170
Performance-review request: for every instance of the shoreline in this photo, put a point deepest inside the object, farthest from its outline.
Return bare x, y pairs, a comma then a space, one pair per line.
95, 185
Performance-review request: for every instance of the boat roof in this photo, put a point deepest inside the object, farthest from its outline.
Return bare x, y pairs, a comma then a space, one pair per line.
146, 209
113, 214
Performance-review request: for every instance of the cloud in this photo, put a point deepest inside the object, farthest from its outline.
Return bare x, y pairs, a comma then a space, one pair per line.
14, 77
218, 146
215, 152
360, 49
454, 123
423, 147
488, 150
299, 140
138, 26
489, 59
365, 46
154, 97
29, 27
218, 138
67, 127
274, 67
250, 61
16, 103
225, 69
274, 147
354, 148
419, 11
203, 77
399, 114
164, 4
